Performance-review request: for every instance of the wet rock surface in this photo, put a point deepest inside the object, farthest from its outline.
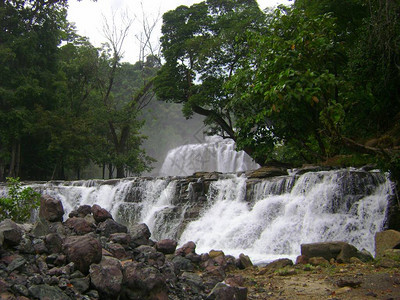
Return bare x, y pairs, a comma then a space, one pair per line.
91, 256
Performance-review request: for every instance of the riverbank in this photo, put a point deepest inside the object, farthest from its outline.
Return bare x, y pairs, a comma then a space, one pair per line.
355, 281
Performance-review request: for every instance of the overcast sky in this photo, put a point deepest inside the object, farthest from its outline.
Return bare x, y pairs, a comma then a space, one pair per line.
88, 17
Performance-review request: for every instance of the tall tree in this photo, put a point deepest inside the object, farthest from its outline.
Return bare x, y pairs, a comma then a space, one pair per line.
202, 45
286, 91
31, 32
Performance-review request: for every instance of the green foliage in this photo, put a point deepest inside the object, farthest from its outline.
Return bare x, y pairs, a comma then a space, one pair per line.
286, 88
202, 45
56, 119
20, 203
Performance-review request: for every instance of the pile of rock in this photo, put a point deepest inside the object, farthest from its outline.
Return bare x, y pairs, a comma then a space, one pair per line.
91, 256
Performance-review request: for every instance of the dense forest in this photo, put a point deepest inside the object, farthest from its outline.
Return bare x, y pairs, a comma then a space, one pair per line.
317, 82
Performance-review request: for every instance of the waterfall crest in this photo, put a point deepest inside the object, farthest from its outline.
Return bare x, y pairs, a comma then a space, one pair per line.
216, 154
263, 218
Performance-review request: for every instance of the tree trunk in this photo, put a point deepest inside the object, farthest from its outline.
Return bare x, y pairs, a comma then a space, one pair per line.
11, 170
120, 172
18, 160
110, 171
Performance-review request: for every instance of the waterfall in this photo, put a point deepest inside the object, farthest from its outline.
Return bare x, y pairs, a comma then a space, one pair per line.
216, 154
263, 218
289, 211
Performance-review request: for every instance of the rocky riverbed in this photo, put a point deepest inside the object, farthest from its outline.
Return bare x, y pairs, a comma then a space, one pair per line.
91, 256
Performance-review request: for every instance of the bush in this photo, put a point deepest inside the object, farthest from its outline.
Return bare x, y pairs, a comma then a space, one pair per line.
20, 203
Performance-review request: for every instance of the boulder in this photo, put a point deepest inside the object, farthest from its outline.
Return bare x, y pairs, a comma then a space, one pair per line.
45, 291
275, 265
51, 209
17, 262
81, 284
121, 238
79, 225
83, 251
193, 282
318, 261
223, 291
301, 260
100, 214
107, 277
149, 255
166, 246
189, 247
140, 234
117, 250
384, 240
182, 264
244, 262
216, 253
340, 251
143, 282
53, 242
109, 226
84, 210
10, 233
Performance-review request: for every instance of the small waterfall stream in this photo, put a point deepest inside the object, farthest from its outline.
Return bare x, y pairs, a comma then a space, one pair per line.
264, 218
216, 154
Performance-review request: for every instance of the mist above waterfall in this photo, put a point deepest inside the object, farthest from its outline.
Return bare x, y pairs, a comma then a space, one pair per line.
216, 154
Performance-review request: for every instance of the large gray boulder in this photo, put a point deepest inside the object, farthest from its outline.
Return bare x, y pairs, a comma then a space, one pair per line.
82, 251
340, 251
10, 233
385, 240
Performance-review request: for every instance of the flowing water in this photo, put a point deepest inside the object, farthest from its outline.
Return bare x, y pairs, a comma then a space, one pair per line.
264, 219
216, 154
288, 211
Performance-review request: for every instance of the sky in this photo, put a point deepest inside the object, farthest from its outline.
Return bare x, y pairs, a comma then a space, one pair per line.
89, 17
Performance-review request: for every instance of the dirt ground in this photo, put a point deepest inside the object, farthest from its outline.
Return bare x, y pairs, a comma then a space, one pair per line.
336, 281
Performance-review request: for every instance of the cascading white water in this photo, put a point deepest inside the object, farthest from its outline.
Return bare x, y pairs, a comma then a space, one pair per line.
129, 200
216, 154
316, 207
267, 219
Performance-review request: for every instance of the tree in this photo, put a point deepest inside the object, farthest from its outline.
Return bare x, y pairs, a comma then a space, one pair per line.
202, 45
31, 32
121, 107
286, 91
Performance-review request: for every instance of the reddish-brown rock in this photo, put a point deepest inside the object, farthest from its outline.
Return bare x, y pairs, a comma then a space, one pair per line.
80, 225
83, 251
166, 246
51, 209
100, 214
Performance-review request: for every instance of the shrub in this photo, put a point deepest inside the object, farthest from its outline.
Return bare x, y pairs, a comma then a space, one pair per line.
20, 202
